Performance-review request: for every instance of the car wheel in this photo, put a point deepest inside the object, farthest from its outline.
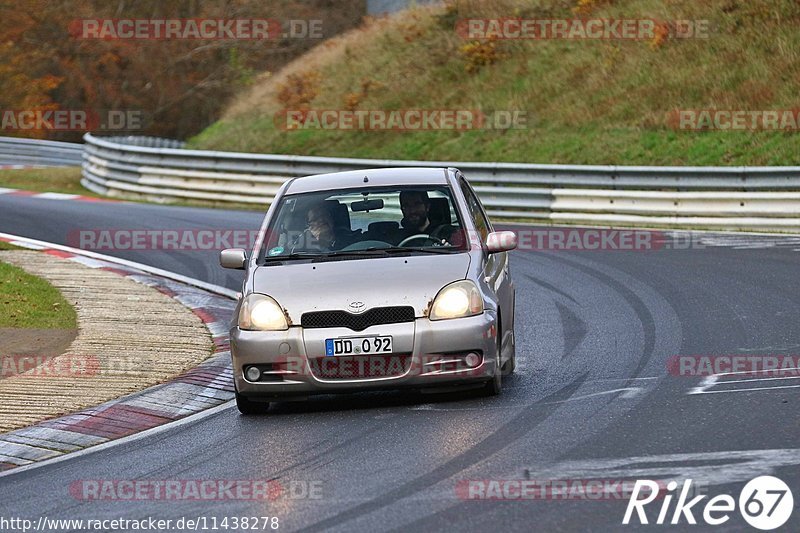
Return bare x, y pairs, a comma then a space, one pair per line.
495, 385
249, 407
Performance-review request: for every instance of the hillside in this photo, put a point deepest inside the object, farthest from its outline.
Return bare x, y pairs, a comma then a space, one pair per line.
586, 101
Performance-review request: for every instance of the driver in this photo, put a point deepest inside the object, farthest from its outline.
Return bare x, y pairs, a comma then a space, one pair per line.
416, 206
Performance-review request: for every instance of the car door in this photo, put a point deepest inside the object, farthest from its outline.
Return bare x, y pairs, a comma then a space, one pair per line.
495, 266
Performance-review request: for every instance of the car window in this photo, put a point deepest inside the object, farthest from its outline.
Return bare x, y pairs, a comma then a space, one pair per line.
476, 211
422, 218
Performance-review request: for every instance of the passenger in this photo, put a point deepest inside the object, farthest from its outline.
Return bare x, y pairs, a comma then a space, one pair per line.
320, 225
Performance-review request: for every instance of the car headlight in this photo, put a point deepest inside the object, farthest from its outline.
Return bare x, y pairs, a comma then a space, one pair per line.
260, 312
457, 300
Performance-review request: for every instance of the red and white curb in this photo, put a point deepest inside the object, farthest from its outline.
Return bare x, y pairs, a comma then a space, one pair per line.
52, 195
204, 387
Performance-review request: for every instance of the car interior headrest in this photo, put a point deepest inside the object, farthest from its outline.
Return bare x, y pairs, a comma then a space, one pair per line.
339, 212
439, 212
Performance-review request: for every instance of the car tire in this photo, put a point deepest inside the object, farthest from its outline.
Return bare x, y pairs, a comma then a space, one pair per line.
249, 407
511, 365
494, 386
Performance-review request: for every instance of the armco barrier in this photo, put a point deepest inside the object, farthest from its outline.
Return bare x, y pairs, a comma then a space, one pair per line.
732, 198
35, 152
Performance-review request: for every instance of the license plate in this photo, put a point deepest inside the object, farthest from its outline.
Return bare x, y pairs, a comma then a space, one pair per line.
358, 346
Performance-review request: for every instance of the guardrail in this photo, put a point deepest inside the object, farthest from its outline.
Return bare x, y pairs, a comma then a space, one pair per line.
35, 152
732, 198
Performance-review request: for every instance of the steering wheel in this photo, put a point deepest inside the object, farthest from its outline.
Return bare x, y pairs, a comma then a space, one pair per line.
298, 239
419, 236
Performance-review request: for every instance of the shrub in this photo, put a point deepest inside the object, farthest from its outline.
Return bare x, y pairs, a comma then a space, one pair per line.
299, 90
480, 53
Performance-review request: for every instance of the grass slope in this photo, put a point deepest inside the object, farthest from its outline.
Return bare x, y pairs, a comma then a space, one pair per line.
588, 102
27, 301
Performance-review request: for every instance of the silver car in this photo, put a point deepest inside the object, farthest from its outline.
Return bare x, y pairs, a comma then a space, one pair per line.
372, 279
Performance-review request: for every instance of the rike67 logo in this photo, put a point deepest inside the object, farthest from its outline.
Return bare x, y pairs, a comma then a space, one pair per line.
765, 503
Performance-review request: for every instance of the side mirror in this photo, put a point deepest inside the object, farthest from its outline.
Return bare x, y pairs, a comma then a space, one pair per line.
235, 258
501, 241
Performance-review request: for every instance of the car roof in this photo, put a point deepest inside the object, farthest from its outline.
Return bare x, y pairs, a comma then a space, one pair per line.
377, 177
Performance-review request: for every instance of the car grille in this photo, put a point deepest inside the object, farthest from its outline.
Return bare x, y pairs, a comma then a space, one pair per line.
359, 322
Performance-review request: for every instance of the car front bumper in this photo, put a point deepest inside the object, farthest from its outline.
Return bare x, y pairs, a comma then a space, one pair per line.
294, 358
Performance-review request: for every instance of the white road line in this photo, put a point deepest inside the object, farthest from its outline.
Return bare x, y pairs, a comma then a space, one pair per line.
707, 383
757, 379
747, 390
629, 392
750, 372
713, 379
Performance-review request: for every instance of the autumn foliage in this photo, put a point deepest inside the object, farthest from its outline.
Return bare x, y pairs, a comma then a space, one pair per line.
178, 86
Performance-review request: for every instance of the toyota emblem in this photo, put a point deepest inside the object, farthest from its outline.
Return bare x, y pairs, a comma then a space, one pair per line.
357, 307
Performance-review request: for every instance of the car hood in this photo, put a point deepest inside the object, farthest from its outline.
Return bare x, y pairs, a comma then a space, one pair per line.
376, 282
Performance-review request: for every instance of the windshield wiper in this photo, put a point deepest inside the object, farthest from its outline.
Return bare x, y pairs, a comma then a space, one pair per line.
289, 257
388, 251
369, 252
440, 250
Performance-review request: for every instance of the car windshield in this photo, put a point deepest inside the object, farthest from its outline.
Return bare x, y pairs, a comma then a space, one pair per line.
365, 222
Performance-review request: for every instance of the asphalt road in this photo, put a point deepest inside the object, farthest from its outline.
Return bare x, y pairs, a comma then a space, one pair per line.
592, 398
